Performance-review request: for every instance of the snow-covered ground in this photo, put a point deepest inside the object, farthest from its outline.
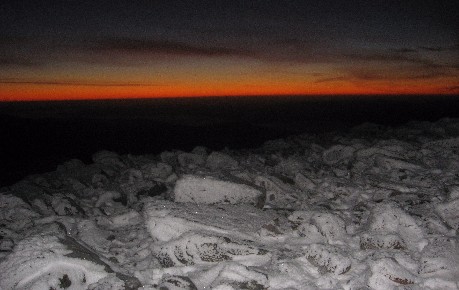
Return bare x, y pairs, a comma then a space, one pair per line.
371, 208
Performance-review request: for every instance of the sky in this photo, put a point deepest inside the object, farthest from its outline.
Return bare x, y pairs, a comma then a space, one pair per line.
76, 49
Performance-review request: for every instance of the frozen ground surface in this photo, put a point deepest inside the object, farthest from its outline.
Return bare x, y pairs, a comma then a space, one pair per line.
372, 208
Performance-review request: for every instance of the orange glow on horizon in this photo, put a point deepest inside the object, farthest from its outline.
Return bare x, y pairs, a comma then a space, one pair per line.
45, 92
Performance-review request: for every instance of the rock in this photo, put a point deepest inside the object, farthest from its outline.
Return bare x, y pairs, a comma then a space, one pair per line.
337, 153
80, 252
108, 158
453, 192
155, 171
388, 274
64, 205
110, 282
370, 152
289, 166
388, 219
27, 190
169, 157
197, 248
318, 226
271, 229
6, 245
443, 144
440, 259
71, 165
236, 276
378, 212
131, 176
176, 283
92, 235
155, 190
217, 160
132, 182
99, 180
167, 220
190, 160
304, 183
13, 208
327, 259
388, 163
210, 190
200, 150
331, 226
386, 241
276, 145
107, 197
449, 211
278, 194
129, 218
39, 262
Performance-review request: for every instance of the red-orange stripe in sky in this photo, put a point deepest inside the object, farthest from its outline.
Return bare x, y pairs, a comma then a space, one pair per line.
26, 92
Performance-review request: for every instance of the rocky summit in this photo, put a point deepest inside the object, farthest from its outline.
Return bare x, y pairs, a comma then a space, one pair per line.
370, 208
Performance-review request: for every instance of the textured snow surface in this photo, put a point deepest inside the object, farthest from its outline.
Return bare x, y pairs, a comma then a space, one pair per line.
371, 208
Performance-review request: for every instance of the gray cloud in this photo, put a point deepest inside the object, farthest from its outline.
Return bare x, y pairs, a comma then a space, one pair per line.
439, 48
407, 74
332, 79
404, 50
76, 83
6, 62
393, 57
131, 45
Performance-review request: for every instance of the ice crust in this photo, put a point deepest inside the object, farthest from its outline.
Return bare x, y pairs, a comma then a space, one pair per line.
370, 208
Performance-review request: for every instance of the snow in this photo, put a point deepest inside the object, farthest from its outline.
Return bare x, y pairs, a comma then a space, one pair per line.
371, 208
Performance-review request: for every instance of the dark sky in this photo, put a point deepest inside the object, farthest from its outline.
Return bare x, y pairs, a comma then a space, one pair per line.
99, 49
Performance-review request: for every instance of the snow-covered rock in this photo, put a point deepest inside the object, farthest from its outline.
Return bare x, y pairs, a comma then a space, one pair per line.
197, 248
388, 274
40, 262
449, 211
210, 190
168, 220
388, 219
328, 259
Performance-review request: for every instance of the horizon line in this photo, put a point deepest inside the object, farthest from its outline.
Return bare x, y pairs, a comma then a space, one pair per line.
337, 95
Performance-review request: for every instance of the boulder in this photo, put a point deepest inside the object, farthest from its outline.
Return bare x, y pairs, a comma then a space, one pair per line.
210, 190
